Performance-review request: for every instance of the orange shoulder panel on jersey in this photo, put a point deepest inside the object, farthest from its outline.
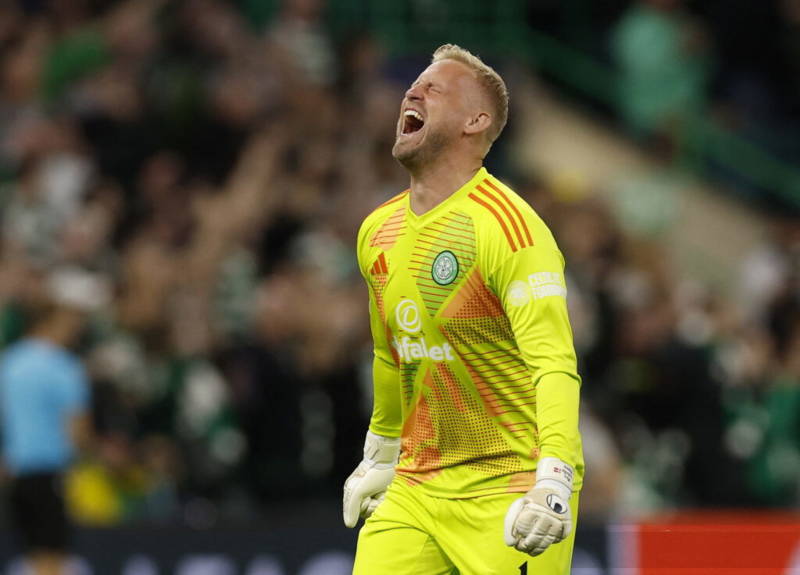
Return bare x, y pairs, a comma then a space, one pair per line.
396, 198
391, 228
385, 223
494, 200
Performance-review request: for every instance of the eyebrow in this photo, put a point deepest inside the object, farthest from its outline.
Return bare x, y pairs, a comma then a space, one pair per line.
427, 82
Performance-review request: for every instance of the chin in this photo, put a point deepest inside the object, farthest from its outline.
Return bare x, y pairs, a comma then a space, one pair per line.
404, 155
414, 154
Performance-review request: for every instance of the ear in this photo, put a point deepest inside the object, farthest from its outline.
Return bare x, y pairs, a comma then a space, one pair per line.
478, 123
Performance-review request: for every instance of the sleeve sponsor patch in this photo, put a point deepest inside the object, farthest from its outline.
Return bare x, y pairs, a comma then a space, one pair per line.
546, 284
539, 285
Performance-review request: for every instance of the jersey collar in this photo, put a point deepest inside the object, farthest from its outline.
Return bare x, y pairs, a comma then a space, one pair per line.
416, 221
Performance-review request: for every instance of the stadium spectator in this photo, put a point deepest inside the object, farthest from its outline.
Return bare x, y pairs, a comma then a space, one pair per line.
45, 415
662, 60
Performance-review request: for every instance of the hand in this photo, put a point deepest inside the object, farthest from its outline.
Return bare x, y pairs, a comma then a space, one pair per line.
542, 517
366, 487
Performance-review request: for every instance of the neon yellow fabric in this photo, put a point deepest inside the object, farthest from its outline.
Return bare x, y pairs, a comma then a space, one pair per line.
474, 362
557, 415
412, 533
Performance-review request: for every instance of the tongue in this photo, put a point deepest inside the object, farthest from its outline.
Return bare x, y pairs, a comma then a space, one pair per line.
412, 125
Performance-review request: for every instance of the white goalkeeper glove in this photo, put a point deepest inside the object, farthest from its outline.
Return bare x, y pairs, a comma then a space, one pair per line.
542, 516
366, 487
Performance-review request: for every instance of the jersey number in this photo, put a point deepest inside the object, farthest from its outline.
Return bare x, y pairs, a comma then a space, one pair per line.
523, 569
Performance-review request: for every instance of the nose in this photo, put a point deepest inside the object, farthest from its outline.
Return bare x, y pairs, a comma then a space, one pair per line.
414, 93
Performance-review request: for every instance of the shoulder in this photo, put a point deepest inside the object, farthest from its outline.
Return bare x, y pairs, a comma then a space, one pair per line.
69, 366
381, 228
377, 216
504, 220
16, 352
13, 350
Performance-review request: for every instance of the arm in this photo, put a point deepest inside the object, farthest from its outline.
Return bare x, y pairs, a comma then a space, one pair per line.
76, 398
365, 488
530, 284
80, 431
386, 417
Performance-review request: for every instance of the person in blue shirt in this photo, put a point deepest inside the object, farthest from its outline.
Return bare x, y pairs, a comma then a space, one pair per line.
44, 419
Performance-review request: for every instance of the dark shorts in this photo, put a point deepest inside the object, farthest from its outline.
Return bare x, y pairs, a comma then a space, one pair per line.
38, 515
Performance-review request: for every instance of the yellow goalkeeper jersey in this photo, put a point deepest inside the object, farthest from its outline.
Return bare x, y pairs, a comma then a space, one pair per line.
468, 315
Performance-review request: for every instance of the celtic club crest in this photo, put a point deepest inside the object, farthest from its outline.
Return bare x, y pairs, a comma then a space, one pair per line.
445, 268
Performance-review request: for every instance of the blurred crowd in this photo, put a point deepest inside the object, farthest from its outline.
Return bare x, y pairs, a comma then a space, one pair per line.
700, 389
213, 170
215, 176
698, 71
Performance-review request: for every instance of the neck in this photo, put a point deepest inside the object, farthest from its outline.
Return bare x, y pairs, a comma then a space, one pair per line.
436, 182
51, 334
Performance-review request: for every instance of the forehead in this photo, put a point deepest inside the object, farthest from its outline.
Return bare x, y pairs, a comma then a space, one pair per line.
448, 72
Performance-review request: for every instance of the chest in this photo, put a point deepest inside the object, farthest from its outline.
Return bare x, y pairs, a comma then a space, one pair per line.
425, 263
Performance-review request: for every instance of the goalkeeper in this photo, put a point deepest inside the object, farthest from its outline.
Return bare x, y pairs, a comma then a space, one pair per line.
472, 462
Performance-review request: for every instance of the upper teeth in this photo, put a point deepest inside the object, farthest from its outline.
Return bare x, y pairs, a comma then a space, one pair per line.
414, 114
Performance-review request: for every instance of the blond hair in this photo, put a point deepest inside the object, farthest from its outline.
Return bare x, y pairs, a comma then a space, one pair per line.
489, 79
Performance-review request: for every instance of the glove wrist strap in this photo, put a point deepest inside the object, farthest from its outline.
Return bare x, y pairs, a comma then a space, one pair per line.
380, 450
552, 473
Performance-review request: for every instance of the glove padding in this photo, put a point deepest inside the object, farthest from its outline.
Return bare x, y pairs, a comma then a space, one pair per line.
366, 487
542, 516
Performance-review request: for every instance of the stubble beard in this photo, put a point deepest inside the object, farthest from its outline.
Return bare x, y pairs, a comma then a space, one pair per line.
417, 158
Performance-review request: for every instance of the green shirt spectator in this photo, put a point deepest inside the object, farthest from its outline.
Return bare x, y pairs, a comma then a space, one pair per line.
72, 58
662, 66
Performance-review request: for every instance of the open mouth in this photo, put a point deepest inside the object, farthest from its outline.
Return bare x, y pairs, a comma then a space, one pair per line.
412, 122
